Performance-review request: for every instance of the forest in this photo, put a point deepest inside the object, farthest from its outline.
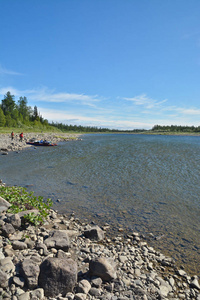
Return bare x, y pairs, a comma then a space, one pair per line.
20, 115
175, 128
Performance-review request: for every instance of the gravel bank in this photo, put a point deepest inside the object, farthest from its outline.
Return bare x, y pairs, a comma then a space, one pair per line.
69, 259
7, 144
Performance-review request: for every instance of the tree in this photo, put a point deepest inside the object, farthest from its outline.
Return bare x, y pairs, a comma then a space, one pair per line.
23, 108
35, 114
2, 118
8, 104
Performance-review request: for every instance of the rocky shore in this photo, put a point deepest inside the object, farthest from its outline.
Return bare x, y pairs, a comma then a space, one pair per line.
66, 258
7, 144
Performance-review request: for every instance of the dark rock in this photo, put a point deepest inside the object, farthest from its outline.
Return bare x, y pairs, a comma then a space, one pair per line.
94, 233
42, 246
18, 245
58, 239
15, 220
57, 276
103, 267
31, 272
95, 292
7, 229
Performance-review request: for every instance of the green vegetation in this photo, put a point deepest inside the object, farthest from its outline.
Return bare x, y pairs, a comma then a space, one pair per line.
175, 129
20, 115
21, 200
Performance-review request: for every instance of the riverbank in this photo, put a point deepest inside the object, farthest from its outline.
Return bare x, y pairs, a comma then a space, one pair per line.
79, 261
7, 144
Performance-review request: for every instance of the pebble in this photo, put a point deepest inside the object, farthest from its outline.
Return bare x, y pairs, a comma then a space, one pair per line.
139, 273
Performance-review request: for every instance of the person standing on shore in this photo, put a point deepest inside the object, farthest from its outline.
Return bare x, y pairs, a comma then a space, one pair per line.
12, 135
21, 137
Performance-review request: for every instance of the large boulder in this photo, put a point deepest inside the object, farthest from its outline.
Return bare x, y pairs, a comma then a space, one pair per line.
57, 276
103, 267
58, 239
94, 233
31, 273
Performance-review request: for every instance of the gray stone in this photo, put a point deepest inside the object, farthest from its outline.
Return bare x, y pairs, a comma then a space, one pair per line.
181, 273
95, 292
164, 290
194, 283
4, 205
103, 267
80, 296
31, 273
39, 246
2, 256
7, 229
83, 286
24, 296
58, 239
7, 265
18, 245
18, 281
94, 233
15, 220
57, 276
69, 296
3, 279
96, 282
37, 294
63, 254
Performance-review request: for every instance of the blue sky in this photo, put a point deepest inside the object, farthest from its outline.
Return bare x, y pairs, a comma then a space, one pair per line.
121, 64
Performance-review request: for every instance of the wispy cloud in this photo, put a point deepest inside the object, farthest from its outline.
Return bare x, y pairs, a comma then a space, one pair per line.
145, 101
98, 121
46, 95
4, 71
183, 111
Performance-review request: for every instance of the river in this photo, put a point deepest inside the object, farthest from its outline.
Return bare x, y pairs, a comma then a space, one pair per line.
143, 183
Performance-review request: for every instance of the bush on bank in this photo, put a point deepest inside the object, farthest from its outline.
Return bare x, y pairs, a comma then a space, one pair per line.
21, 200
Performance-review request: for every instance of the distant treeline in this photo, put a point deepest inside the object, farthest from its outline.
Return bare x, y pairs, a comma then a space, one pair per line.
176, 128
65, 127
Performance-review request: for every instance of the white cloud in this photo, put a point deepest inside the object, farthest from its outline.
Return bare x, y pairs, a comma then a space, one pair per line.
46, 95
103, 121
4, 71
183, 111
145, 101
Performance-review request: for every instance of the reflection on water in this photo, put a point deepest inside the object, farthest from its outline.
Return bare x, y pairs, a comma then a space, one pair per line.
144, 183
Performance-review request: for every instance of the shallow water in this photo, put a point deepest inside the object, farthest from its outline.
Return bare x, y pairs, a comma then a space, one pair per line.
140, 182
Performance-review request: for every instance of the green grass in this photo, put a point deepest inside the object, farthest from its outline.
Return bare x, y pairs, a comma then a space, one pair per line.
27, 129
21, 200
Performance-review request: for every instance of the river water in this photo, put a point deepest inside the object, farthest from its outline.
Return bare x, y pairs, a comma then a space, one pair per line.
143, 183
